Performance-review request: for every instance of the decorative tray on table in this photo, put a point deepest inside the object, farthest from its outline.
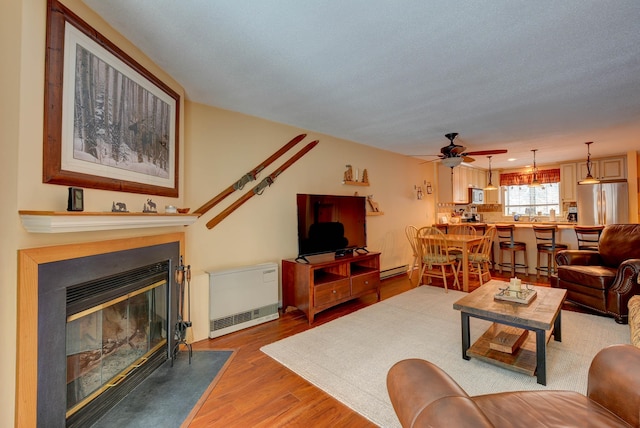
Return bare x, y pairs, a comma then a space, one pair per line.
525, 295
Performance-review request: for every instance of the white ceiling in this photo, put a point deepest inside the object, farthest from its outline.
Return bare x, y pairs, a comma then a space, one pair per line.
399, 74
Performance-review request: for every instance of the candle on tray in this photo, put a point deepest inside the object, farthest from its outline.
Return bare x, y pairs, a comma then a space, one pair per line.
515, 284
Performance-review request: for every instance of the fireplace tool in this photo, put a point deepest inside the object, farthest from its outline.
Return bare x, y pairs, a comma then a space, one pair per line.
183, 275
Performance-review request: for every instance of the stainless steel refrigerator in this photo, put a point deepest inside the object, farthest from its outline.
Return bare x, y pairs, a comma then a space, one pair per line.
604, 203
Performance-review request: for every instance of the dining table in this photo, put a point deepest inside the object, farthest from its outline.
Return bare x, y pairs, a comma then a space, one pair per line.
465, 243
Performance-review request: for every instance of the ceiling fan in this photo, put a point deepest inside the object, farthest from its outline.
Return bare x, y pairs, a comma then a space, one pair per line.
454, 154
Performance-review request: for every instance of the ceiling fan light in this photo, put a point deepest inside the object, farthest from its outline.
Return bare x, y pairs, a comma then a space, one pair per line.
452, 162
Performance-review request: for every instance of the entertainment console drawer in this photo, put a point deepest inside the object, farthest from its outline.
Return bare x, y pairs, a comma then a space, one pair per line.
331, 293
364, 283
328, 280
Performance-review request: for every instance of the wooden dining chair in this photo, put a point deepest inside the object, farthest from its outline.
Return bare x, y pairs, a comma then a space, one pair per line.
435, 253
480, 256
412, 235
460, 229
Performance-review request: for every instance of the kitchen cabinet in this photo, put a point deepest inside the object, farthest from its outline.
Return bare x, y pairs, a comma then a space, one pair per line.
453, 186
614, 168
478, 178
445, 184
568, 182
460, 185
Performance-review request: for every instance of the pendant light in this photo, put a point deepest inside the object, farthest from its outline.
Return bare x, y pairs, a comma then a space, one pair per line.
534, 182
589, 178
490, 186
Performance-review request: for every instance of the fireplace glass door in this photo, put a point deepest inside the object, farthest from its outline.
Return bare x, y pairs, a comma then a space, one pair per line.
108, 342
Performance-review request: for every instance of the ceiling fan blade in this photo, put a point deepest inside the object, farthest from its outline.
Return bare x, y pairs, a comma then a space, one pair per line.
458, 150
486, 152
467, 159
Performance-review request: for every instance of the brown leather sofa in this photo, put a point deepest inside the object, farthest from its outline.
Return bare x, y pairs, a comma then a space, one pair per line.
425, 396
606, 279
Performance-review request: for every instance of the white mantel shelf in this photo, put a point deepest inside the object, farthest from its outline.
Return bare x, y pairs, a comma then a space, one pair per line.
64, 222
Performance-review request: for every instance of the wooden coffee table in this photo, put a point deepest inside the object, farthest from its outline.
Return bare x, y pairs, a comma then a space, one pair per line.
542, 316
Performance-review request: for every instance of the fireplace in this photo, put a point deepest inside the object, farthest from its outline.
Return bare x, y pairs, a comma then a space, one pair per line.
104, 323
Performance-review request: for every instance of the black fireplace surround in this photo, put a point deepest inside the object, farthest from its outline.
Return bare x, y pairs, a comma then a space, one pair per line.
54, 279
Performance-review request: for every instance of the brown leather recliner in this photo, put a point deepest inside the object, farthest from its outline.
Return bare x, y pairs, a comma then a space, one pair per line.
606, 279
423, 395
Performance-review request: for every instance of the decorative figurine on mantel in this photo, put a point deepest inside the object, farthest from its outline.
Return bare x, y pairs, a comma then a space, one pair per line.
119, 207
348, 174
373, 204
149, 207
365, 176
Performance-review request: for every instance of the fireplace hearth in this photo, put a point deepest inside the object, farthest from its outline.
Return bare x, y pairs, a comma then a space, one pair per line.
105, 321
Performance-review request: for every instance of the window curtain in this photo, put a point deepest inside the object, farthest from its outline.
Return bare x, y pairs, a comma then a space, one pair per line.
545, 176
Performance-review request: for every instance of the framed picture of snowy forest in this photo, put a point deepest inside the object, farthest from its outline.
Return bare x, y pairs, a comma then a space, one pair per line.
109, 123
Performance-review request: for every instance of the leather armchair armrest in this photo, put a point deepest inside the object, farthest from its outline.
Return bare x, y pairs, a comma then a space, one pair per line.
423, 394
578, 257
623, 288
627, 278
614, 381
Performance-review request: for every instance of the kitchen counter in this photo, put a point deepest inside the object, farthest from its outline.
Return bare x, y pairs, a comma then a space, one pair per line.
527, 223
524, 233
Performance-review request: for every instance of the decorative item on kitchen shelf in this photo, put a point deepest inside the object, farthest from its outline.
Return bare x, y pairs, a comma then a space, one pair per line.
375, 207
149, 207
119, 207
515, 292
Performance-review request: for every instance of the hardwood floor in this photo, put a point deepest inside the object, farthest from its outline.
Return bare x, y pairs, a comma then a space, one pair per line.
256, 391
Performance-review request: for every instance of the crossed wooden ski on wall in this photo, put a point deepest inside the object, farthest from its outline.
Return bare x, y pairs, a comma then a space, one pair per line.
251, 176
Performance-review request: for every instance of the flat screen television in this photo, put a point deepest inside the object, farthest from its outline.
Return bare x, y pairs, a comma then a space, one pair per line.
329, 223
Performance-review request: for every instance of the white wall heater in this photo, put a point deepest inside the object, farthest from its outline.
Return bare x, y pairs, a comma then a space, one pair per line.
242, 297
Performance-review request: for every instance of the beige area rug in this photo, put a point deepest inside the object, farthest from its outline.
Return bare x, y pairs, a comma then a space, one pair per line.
349, 357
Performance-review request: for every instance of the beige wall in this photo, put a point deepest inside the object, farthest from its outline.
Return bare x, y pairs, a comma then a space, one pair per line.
221, 146
217, 147
22, 27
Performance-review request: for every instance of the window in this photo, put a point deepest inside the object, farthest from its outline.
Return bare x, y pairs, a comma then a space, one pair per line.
532, 201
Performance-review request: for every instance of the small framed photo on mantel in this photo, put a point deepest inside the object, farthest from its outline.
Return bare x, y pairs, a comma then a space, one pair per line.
76, 199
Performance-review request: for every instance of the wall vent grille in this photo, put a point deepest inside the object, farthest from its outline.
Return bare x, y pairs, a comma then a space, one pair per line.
243, 317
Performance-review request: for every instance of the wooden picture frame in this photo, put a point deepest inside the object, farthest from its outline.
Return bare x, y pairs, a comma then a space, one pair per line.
108, 122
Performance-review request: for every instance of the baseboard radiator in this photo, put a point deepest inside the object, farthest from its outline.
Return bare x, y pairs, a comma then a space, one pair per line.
242, 297
398, 270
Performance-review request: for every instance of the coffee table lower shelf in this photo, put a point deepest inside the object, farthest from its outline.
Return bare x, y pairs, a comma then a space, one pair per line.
523, 360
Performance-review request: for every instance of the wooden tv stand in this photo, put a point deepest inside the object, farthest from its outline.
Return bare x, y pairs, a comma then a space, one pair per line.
328, 280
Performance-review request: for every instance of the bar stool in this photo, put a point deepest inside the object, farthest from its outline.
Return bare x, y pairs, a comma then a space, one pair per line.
507, 243
546, 243
588, 237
